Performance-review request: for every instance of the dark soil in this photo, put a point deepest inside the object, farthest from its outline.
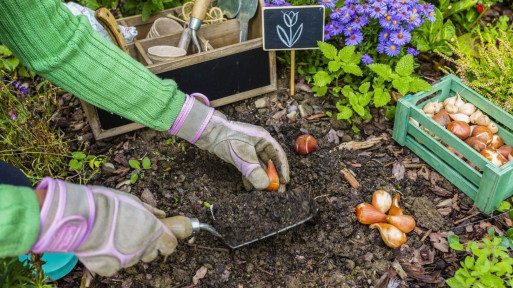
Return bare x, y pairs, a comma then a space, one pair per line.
332, 249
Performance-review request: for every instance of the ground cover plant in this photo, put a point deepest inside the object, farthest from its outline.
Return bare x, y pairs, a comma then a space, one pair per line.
332, 249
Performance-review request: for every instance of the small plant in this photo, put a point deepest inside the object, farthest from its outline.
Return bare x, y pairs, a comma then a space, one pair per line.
80, 161
11, 64
434, 36
136, 164
488, 265
14, 273
489, 74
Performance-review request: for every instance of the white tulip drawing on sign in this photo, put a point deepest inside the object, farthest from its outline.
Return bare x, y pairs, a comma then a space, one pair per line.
289, 38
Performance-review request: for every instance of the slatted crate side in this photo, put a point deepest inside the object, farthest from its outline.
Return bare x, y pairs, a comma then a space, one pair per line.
488, 188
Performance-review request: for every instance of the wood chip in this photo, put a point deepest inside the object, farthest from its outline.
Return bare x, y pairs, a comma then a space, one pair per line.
355, 145
349, 176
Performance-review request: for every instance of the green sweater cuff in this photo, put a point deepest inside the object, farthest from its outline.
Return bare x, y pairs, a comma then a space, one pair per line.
19, 220
64, 49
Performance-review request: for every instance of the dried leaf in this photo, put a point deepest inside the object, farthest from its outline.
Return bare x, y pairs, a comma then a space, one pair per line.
148, 197
398, 170
424, 172
412, 175
439, 241
200, 274
303, 87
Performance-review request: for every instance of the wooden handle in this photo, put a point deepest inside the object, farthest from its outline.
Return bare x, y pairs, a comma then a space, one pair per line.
180, 226
199, 10
108, 22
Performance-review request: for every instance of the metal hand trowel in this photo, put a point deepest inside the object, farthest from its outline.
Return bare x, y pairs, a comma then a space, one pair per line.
230, 8
184, 227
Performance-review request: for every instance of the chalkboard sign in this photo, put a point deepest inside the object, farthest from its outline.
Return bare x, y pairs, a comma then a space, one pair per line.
292, 27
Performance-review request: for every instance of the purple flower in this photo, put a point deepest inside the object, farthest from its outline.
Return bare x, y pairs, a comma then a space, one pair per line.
348, 30
400, 37
275, 3
19, 87
381, 47
367, 59
358, 23
392, 49
336, 14
414, 21
384, 35
412, 51
378, 10
363, 8
328, 3
12, 114
354, 38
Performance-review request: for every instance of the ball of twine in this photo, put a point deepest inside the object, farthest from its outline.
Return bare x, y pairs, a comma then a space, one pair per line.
213, 15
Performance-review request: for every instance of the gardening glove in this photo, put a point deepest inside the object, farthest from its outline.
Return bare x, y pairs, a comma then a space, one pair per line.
106, 229
242, 145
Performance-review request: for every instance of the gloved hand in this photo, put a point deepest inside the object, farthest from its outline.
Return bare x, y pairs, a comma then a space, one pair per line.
240, 144
106, 229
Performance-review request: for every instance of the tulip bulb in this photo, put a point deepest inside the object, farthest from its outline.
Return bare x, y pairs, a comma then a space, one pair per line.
483, 134
432, 107
368, 214
493, 127
274, 181
475, 143
505, 150
451, 109
382, 200
442, 118
459, 128
483, 120
496, 141
405, 223
475, 115
391, 235
460, 117
491, 155
467, 109
450, 101
395, 209
459, 101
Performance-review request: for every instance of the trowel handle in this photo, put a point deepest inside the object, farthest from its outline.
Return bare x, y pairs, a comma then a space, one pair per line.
182, 226
199, 10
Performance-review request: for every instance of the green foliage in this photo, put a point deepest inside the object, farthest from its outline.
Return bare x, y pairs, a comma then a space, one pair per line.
86, 166
489, 74
27, 139
434, 36
132, 7
401, 78
488, 263
138, 169
14, 273
10, 64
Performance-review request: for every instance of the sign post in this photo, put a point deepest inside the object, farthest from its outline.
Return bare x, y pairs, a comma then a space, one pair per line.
292, 28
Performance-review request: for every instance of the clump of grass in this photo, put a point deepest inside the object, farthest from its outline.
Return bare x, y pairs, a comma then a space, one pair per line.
27, 139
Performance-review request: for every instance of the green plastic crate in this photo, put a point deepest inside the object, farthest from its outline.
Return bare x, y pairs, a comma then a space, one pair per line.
487, 188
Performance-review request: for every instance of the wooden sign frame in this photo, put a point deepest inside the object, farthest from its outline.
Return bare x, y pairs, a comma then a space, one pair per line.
289, 31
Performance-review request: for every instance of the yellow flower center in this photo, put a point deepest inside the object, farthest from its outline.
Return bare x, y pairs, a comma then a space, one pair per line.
349, 28
389, 18
392, 47
394, 22
412, 18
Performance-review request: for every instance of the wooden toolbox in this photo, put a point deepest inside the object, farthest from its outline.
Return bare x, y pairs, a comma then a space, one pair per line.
488, 187
228, 72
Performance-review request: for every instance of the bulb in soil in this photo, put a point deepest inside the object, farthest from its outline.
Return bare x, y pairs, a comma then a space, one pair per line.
368, 214
382, 200
305, 144
391, 235
274, 181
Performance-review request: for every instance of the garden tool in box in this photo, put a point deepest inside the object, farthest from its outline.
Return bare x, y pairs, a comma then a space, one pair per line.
108, 22
199, 10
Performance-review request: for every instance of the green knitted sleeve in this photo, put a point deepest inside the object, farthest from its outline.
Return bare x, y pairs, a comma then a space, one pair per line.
64, 49
19, 220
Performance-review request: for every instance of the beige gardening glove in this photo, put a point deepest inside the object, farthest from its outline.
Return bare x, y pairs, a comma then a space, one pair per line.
105, 228
243, 145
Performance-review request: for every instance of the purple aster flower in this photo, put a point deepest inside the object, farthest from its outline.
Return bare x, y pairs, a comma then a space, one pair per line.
355, 38
358, 23
367, 59
351, 2
395, 23
381, 47
400, 37
384, 35
378, 11
426, 8
392, 49
385, 21
337, 28
348, 30
19, 87
394, 3
336, 14
412, 51
414, 21
328, 3
279, 3
363, 8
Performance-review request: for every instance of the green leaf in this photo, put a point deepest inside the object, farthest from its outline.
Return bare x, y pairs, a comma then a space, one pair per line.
352, 68
329, 51
444, 4
467, 44
390, 112
5, 51
322, 78
509, 233
454, 243
334, 66
353, 100
418, 85
347, 91
434, 27
402, 85
146, 12
364, 88
382, 70
78, 155
453, 283
469, 260
134, 178
381, 97
460, 6
405, 65
420, 41
489, 280
501, 268
345, 112
135, 164
75, 165
365, 98
483, 265
504, 206
321, 91
146, 163
345, 54
448, 30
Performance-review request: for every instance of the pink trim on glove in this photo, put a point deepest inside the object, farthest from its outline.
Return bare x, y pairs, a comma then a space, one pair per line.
203, 126
184, 113
64, 234
244, 167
